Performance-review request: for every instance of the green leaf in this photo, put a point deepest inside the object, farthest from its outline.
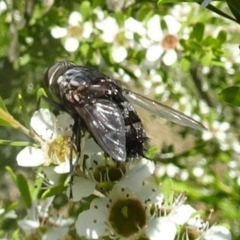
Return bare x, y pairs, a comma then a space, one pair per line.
2, 105
167, 188
12, 174
37, 184
41, 103
23, 110
185, 64
119, 16
207, 58
7, 119
234, 6
231, 95
152, 151
197, 32
221, 13
85, 9
54, 191
15, 143
12, 206
222, 36
175, 1
84, 48
24, 190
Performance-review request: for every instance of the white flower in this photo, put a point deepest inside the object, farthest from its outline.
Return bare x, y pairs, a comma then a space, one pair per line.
217, 233
109, 33
37, 218
55, 133
219, 131
119, 54
127, 215
109, 28
3, 7
74, 32
101, 173
162, 44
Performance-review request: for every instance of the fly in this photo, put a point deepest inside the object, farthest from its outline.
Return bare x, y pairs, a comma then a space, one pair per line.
97, 103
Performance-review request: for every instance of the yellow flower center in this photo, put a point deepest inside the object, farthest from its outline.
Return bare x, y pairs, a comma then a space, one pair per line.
75, 31
59, 150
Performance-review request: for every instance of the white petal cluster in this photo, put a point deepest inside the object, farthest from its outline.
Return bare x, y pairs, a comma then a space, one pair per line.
39, 217
55, 133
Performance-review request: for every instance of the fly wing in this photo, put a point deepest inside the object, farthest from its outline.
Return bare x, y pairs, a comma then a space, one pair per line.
162, 110
105, 122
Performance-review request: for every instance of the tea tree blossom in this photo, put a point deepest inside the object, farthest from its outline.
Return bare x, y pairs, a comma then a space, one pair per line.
102, 174
126, 214
55, 133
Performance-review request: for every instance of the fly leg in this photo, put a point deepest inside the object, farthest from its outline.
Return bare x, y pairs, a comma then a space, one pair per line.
56, 106
75, 144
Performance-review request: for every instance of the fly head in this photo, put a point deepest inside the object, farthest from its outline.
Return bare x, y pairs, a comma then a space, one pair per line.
53, 76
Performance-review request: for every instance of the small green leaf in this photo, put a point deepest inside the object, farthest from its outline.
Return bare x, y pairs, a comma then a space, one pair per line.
221, 13
24, 190
167, 188
119, 16
41, 103
152, 151
207, 58
2, 105
23, 110
197, 31
54, 191
84, 48
185, 64
12, 206
222, 36
12, 174
231, 95
234, 6
6, 119
15, 143
37, 184
85, 9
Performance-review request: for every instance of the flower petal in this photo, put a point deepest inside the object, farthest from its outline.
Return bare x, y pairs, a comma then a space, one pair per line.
119, 53
101, 204
58, 32
217, 233
43, 123
91, 147
170, 57
75, 18
55, 233
136, 175
62, 168
181, 214
71, 44
154, 52
91, 224
30, 157
64, 124
152, 192
28, 225
82, 188
161, 228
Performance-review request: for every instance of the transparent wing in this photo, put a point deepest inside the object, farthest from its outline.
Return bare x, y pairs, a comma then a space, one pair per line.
105, 122
162, 110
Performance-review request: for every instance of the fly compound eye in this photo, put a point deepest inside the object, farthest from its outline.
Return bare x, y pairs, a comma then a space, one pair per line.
55, 71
